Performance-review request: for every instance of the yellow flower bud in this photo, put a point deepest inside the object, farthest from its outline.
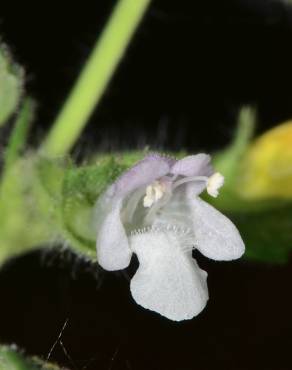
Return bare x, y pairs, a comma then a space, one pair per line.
267, 165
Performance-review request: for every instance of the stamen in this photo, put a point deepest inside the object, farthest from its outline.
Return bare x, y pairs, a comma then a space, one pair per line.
214, 184
189, 179
154, 193
159, 204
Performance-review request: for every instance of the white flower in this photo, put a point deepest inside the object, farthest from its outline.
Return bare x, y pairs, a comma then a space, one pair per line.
154, 211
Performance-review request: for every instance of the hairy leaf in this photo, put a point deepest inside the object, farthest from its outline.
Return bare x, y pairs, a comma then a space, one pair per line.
11, 85
11, 358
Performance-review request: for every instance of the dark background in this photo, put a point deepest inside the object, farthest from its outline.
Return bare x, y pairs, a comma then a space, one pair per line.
190, 67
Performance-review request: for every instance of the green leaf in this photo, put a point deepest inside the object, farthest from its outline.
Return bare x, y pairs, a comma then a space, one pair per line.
27, 213
11, 85
13, 359
267, 233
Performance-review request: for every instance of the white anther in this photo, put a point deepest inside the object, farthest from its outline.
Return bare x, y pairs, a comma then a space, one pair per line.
214, 184
154, 192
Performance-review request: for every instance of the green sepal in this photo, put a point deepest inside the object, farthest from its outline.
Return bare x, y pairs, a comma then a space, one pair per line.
81, 189
19, 134
228, 161
11, 85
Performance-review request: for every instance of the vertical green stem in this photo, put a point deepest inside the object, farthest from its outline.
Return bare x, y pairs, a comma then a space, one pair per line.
245, 129
95, 77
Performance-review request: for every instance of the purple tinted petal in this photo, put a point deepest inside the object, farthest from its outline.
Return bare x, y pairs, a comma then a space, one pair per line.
193, 165
113, 252
141, 174
168, 159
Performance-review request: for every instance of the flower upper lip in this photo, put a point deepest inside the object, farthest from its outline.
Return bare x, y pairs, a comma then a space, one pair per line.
155, 166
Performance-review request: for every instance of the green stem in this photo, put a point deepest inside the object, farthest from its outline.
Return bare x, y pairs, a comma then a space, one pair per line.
95, 77
245, 129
